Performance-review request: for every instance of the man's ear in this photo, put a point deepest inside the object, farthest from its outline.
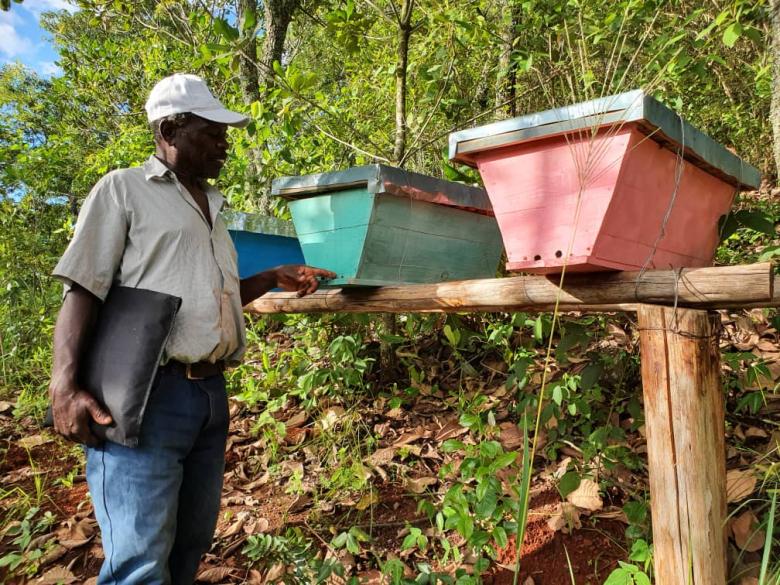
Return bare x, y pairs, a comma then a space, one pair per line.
168, 131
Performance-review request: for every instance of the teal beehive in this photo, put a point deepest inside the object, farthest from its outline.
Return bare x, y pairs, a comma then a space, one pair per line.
377, 226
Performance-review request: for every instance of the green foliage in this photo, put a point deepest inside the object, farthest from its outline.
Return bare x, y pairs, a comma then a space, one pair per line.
295, 554
627, 574
24, 558
351, 540
476, 506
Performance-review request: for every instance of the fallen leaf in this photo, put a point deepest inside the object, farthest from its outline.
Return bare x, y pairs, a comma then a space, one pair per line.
380, 430
618, 334
746, 534
55, 553
234, 528
756, 432
406, 438
215, 574
420, 484
382, 456
57, 576
773, 444
261, 481
294, 436
450, 430
297, 420
739, 485
372, 578
511, 438
529, 581
586, 496
76, 533
275, 573
767, 345
300, 503
257, 526
430, 453
331, 418
615, 514
33, 441
6, 407
96, 552
415, 450
565, 518
292, 468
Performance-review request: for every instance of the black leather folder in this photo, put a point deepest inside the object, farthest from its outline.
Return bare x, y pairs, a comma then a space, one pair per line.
122, 356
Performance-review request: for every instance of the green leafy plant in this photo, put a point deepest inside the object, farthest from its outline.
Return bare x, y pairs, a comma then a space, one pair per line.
25, 557
476, 506
351, 540
295, 554
627, 574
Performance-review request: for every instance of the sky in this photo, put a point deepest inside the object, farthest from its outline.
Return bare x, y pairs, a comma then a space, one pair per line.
22, 39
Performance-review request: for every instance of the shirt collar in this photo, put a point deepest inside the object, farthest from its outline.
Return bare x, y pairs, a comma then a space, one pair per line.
154, 168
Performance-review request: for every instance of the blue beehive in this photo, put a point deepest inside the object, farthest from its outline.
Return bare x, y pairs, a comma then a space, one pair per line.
262, 242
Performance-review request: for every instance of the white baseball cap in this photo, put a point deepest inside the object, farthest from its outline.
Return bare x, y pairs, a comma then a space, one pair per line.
186, 93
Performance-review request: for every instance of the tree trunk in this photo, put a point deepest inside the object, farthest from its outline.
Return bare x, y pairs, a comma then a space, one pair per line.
404, 32
255, 74
387, 358
250, 90
507, 69
278, 16
775, 104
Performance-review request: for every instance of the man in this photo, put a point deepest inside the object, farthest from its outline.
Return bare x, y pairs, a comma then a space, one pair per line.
157, 227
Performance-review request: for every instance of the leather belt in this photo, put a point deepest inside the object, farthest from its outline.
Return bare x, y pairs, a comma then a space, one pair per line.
195, 371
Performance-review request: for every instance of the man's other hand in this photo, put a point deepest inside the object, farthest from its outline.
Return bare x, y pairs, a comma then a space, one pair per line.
73, 410
301, 279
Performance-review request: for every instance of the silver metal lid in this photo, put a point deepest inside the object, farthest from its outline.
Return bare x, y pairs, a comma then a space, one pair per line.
385, 179
659, 122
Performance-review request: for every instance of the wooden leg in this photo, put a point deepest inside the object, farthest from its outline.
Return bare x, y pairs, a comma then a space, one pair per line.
685, 427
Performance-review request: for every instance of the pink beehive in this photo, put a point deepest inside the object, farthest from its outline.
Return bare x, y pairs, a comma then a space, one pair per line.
616, 183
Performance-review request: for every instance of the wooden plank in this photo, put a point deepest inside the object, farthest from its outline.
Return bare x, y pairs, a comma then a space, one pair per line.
715, 287
685, 426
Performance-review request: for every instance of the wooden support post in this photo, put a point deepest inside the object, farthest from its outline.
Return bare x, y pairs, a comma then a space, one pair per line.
685, 426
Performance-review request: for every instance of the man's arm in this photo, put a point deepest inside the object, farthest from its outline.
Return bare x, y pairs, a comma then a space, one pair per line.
73, 407
292, 277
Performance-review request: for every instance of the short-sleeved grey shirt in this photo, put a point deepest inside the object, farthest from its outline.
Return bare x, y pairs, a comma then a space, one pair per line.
140, 227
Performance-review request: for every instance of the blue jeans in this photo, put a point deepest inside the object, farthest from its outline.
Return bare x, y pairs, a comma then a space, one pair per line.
157, 505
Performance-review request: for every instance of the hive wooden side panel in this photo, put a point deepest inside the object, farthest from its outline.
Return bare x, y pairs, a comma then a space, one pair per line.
259, 252
664, 212
415, 241
550, 197
332, 230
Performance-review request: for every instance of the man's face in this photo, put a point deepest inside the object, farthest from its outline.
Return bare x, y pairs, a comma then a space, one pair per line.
201, 147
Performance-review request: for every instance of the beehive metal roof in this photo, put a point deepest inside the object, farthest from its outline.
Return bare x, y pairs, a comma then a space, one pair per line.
659, 122
378, 178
